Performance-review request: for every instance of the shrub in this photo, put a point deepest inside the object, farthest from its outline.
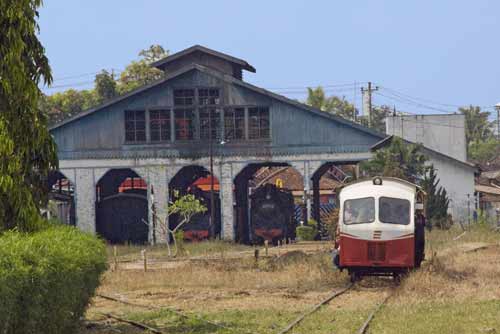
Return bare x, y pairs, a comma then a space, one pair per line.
47, 279
307, 232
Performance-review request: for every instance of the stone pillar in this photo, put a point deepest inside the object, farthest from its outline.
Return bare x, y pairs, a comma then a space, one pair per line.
85, 200
226, 198
157, 180
307, 169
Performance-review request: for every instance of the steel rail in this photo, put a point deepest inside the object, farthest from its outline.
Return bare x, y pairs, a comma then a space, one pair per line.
315, 308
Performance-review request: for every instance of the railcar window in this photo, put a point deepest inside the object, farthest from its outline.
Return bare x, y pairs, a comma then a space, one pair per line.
359, 210
394, 211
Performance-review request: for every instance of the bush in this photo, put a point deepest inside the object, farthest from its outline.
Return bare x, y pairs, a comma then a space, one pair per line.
307, 232
47, 279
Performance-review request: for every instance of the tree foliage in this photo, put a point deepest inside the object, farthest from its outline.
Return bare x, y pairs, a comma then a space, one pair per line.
69, 103
437, 199
27, 151
484, 151
401, 160
105, 86
317, 98
477, 125
185, 207
140, 73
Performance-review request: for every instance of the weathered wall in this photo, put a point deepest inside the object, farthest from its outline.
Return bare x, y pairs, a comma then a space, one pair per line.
458, 180
442, 133
292, 127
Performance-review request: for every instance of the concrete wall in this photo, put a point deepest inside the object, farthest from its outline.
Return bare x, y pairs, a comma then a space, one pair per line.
458, 180
442, 133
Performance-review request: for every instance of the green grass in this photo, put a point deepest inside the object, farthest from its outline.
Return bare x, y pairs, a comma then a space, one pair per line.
428, 318
439, 318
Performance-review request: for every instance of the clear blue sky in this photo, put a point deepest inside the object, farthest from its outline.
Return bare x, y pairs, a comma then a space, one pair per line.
445, 51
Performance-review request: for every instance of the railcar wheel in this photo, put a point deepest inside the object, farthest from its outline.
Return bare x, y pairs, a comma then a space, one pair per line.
396, 278
354, 276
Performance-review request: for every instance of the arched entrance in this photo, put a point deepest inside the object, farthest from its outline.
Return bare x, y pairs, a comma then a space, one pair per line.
61, 203
196, 180
122, 207
269, 202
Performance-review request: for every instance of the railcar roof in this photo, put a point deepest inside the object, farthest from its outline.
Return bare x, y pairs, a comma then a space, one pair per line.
384, 178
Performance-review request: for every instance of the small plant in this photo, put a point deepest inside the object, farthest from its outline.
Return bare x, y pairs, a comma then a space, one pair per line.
186, 207
307, 232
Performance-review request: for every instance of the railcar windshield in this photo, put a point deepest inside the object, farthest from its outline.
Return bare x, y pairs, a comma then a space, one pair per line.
359, 210
394, 211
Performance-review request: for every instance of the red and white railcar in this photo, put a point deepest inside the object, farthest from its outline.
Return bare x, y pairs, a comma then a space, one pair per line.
378, 233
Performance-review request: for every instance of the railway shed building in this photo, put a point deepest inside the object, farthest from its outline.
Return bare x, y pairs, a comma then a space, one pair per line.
129, 154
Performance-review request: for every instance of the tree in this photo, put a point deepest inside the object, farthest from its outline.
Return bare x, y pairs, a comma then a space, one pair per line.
140, 73
185, 207
105, 86
437, 202
62, 105
477, 126
401, 160
316, 98
484, 151
27, 151
379, 114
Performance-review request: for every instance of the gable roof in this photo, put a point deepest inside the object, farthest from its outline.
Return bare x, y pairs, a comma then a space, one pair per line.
199, 48
229, 79
388, 140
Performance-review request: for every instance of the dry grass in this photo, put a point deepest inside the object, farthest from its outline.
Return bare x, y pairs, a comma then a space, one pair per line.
229, 286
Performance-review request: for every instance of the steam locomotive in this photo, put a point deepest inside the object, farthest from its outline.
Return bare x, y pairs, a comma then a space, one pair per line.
272, 215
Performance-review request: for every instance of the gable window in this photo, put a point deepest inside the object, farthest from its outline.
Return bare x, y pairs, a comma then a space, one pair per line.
159, 125
258, 123
234, 123
208, 96
184, 124
183, 97
210, 120
184, 113
135, 126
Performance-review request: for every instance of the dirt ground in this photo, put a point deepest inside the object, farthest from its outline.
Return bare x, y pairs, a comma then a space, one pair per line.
228, 291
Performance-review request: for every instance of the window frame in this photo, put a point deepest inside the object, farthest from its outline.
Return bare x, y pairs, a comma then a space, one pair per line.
396, 198
193, 124
233, 119
250, 128
168, 126
357, 223
135, 130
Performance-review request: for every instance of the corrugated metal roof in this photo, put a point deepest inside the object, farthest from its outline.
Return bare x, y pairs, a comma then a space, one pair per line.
487, 189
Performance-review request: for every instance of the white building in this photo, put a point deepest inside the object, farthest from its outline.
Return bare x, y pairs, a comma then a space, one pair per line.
443, 137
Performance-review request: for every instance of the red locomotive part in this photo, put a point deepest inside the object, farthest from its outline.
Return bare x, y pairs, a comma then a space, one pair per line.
269, 234
395, 253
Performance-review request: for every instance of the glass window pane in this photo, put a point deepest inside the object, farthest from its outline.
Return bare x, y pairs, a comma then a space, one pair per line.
359, 211
394, 211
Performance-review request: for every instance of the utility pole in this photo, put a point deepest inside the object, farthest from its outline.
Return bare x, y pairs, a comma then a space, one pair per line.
367, 101
497, 107
212, 195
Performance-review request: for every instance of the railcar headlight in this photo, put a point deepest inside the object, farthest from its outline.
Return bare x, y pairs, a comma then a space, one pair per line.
377, 181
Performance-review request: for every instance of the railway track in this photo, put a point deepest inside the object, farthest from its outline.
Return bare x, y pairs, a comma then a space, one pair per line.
315, 308
366, 323
370, 317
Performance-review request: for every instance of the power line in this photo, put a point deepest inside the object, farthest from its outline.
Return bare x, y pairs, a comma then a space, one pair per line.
407, 96
406, 101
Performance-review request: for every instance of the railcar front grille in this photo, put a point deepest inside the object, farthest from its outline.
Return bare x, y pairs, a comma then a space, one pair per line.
376, 251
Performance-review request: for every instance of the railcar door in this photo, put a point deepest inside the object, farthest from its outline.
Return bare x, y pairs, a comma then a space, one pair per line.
120, 218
